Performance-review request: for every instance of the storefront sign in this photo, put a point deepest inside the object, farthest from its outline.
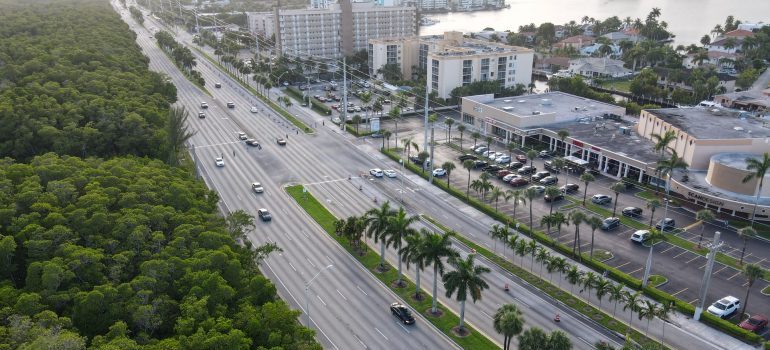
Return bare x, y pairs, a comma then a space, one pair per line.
705, 199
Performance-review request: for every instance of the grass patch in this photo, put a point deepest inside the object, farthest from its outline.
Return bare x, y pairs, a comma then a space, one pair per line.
371, 260
647, 195
657, 280
766, 290
619, 85
602, 255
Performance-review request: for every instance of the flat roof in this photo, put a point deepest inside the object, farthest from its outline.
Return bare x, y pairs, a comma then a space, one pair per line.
697, 181
714, 122
560, 103
608, 135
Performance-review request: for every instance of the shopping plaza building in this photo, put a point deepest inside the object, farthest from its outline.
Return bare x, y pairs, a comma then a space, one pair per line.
714, 141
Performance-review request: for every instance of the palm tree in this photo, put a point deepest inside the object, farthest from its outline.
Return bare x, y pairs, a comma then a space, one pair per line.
666, 167
594, 222
745, 233
573, 277
760, 167
449, 122
652, 204
468, 165
558, 163
663, 312
541, 256
395, 114
461, 128
577, 217
412, 253
532, 251
662, 141
647, 310
398, 227
466, 278
586, 178
552, 192
448, 166
435, 249
489, 140
560, 266
546, 221
408, 142
703, 215
518, 198
616, 294
617, 188
356, 119
509, 322
498, 232
631, 303
531, 154
521, 250
533, 339
378, 221
495, 195
559, 220
530, 194
558, 340
603, 287
475, 136
752, 272
589, 282
563, 134
511, 146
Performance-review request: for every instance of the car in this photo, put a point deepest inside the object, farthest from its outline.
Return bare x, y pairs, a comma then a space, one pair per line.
356, 108
439, 172
755, 323
386, 102
335, 106
526, 170
264, 215
610, 223
219, 162
217, 85
515, 165
504, 159
509, 177
252, 142
570, 188
230, 105
555, 198
204, 105
479, 164
494, 155
376, 172
480, 149
725, 307
281, 142
492, 169
201, 115
389, 173
540, 175
518, 182
601, 199
522, 158
465, 157
254, 109
537, 188
633, 212
402, 312
502, 173
666, 224
257, 187
242, 136
640, 236
544, 154
486, 154
549, 180
336, 120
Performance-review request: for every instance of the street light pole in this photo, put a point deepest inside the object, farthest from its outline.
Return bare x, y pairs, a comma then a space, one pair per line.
402, 179
307, 287
713, 249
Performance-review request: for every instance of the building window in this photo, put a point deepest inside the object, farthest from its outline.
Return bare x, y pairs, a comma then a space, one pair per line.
468, 119
434, 75
467, 67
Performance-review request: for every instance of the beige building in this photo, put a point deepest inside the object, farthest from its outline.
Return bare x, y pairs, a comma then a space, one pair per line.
403, 52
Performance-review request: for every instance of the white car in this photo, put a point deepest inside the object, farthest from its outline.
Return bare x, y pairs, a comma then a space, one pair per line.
509, 177
725, 306
538, 188
640, 236
480, 149
257, 187
204, 105
389, 173
486, 154
219, 162
494, 155
504, 159
254, 109
242, 136
439, 172
336, 120
376, 172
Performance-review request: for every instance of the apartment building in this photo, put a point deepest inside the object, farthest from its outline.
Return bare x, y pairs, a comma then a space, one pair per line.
403, 52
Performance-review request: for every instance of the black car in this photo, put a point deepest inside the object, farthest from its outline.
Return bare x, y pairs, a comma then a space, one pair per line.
492, 169
402, 312
610, 223
526, 170
264, 215
569, 188
666, 224
465, 157
217, 85
480, 164
632, 211
230, 105
555, 198
540, 175
515, 165
201, 115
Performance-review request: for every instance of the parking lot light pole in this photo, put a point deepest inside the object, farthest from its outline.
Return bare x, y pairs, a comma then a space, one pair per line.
402, 179
307, 287
713, 249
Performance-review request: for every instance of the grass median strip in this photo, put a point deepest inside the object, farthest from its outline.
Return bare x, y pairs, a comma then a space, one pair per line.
371, 260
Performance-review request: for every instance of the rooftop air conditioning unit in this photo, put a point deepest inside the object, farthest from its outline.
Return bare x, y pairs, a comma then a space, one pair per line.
535, 112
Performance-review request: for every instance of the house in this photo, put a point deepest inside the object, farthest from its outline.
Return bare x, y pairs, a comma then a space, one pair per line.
552, 64
721, 60
590, 50
616, 37
725, 80
528, 36
751, 100
594, 67
730, 42
577, 42
560, 31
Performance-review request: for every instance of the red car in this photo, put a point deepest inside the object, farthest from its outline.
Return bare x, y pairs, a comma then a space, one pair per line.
518, 182
522, 158
754, 323
501, 174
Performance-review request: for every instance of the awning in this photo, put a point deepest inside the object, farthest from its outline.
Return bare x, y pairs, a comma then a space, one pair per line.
576, 160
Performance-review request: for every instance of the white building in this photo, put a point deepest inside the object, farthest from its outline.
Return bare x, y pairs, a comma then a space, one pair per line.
432, 5
595, 67
261, 23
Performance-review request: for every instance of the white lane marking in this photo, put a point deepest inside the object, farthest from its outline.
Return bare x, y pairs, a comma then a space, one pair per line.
359, 340
362, 291
521, 301
292, 267
305, 233
311, 263
488, 315
330, 259
383, 335
217, 144
402, 326
340, 293
585, 341
319, 298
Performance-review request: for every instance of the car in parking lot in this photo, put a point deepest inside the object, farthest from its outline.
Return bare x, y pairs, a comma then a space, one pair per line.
480, 149
755, 323
467, 156
502, 173
281, 142
556, 198
540, 175
252, 142
439, 172
632, 211
264, 215
480, 164
257, 187
201, 115
570, 188
494, 155
518, 182
601, 199
389, 173
509, 177
640, 236
230, 105
544, 154
376, 172
666, 224
549, 180
515, 165
504, 159
537, 188
610, 223
402, 312
492, 169
526, 170
219, 162
725, 307
204, 105
522, 158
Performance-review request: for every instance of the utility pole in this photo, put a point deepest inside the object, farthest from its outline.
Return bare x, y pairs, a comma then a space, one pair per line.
704, 288
344, 92
432, 161
197, 27
425, 138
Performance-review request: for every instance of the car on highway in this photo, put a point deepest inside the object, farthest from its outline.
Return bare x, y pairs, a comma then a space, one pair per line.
537, 188
640, 236
257, 187
264, 215
725, 307
755, 323
439, 172
217, 85
518, 182
230, 105
242, 136
252, 142
219, 162
522, 158
504, 159
509, 177
666, 224
376, 172
281, 142
610, 223
204, 105
556, 198
201, 115
601, 199
548, 180
402, 313
389, 173
570, 188
526, 170
515, 165
467, 156
633, 212
254, 109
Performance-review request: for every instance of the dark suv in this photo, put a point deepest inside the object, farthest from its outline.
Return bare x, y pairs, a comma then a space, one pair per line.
632, 211
402, 312
610, 223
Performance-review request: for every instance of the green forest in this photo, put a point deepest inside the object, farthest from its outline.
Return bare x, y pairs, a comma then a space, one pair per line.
103, 243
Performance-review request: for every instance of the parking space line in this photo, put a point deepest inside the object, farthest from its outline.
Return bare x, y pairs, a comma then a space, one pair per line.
635, 271
669, 248
680, 254
623, 264
674, 294
693, 259
720, 270
694, 301
736, 274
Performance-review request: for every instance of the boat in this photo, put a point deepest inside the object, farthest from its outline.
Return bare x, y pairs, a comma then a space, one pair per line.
426, 21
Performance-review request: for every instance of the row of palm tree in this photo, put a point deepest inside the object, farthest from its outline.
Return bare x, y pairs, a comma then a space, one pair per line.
509, 322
